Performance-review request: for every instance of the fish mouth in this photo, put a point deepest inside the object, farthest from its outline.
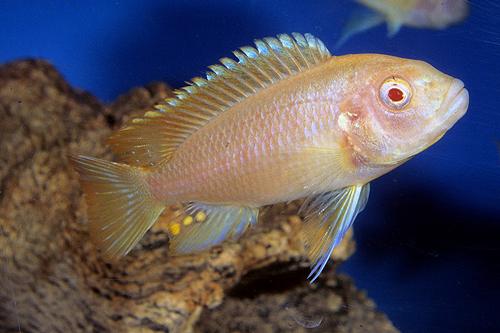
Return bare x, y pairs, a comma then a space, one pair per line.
454, 107
455, 104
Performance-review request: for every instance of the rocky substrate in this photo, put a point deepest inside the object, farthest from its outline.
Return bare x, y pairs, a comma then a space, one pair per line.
53, 280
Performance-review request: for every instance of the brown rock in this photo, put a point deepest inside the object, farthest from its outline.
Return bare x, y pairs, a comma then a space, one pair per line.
294, 306
52, 279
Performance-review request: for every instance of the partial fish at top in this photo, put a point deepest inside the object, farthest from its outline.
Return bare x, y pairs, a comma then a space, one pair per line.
431, 14
287, 120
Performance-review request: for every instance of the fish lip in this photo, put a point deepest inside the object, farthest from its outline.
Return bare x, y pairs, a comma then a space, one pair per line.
453, 108
455, 104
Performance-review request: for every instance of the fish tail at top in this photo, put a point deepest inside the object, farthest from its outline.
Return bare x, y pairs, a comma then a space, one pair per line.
361, 20
120, 206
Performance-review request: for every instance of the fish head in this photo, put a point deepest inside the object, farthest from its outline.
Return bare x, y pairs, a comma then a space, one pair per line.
397, 108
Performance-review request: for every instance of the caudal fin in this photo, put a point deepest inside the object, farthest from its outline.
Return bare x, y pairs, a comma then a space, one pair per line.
120, 207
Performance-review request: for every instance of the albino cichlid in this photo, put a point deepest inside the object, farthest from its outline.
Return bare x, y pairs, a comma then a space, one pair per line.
287, 120
429, 14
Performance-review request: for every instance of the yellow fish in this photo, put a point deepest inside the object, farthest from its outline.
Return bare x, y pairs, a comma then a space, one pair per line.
432, 14
287, 120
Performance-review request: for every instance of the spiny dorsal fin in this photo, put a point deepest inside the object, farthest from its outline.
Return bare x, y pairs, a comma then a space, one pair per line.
154, 137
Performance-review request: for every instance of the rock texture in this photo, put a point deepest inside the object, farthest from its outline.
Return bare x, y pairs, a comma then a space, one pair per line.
269, 305
52, 279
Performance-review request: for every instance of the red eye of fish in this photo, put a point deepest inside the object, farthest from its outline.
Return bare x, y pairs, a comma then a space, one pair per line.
395, 93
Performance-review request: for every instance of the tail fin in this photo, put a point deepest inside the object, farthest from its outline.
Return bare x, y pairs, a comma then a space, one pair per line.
120, 207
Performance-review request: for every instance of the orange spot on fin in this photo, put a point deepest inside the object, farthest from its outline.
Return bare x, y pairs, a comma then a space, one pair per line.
213, 224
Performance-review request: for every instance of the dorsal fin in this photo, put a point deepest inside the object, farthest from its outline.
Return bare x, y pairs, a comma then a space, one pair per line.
154, 137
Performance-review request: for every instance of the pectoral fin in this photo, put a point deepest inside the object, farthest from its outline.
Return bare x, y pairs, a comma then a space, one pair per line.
327, 218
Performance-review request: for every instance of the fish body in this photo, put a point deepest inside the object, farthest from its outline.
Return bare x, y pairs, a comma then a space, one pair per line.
270, 147
429, 14
286, 121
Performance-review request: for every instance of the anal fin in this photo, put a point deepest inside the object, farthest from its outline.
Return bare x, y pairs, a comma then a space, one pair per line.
201, 226
328, 216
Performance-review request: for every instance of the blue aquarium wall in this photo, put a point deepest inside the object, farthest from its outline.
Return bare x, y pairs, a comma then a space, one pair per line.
429, 240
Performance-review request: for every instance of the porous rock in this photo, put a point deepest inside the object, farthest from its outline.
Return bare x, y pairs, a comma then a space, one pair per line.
53, 280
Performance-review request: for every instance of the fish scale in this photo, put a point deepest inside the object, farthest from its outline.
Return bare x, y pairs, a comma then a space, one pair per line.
265, 126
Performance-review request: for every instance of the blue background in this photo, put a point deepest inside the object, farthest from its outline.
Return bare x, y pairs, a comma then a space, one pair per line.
428, 242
